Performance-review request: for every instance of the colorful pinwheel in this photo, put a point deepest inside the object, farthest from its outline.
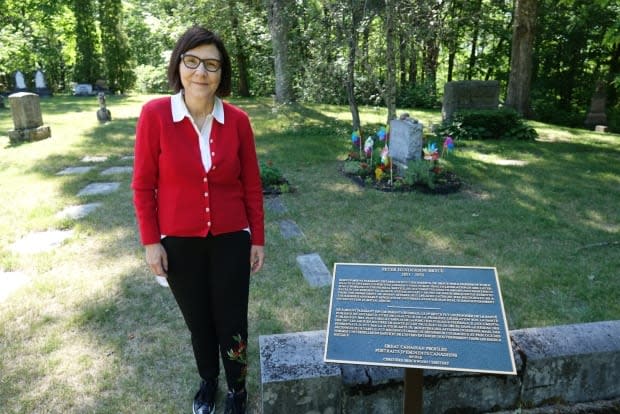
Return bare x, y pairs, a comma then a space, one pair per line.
430, 152
382, 134
355, 138
368, 145
385, 156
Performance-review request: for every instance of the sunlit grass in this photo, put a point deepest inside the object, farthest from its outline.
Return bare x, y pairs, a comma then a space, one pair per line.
93, 332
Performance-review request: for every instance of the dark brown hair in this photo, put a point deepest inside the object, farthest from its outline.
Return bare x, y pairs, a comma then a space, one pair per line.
194, 37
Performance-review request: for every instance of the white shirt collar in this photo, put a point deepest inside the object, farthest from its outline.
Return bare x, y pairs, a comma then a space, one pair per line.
180, 111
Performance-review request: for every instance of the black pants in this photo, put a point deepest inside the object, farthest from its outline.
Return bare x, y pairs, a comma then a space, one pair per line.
210, 279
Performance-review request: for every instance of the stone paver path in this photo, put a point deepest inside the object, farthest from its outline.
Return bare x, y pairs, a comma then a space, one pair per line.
78, 211
99, 188
311, 265
75, 170
95, 158
41, 241
117, 170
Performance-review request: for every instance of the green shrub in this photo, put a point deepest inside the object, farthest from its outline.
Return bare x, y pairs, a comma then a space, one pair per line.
418, 96
151, 79
270, 175
486, 124
419, 172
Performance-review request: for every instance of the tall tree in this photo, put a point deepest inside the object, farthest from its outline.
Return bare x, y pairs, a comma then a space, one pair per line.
87, 60
279, 25
116, 53
519, 82
240, 53
390, 59
357, 13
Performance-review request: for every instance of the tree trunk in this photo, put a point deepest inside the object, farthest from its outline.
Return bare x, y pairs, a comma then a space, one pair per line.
519, 82
390, 61
614, 70
431, 61
451, 57
278, 27
350, 83
243, 83
413, 65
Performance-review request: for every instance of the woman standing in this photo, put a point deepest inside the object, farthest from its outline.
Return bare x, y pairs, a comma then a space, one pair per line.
198, 200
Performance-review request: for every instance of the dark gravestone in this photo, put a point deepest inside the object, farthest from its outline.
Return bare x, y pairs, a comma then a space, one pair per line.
463, 95
596, 115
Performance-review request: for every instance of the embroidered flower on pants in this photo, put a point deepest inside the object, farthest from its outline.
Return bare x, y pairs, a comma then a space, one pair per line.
239, 354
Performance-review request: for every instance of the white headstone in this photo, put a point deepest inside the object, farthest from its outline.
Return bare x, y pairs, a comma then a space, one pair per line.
19, 80
39, 80
83, 89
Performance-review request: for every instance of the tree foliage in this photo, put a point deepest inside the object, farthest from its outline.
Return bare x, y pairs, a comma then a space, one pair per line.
88, 68
117, 59
397, 53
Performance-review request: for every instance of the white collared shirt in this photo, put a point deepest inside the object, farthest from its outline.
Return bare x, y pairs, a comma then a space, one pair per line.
180, 111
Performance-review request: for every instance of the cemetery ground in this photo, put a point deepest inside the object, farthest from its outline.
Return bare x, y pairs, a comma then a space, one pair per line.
89, 329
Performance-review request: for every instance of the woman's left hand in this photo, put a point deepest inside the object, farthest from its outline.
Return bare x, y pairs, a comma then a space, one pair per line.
257, 257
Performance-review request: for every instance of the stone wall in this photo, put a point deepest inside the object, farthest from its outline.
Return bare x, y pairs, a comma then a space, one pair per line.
568, 364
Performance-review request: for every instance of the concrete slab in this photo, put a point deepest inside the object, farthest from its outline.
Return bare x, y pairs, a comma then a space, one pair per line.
294, 378
99, 188
41, 241
75, 170
78, 211
290, 230
10, 282
314, 270
117, 170
570, 363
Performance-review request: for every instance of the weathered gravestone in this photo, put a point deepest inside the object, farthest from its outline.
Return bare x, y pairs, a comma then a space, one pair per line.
27, 119
83, 89
597, 116
475, 94
20, 84
406, 140
40, 85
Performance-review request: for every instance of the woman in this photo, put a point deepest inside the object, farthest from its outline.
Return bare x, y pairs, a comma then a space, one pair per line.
198, 200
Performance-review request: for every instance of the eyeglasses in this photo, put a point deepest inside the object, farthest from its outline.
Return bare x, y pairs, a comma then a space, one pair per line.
192, 62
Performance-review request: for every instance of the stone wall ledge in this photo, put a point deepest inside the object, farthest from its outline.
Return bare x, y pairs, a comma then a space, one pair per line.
560, 366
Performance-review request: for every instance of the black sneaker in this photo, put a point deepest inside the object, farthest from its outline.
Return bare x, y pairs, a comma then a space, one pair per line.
204, 401
236, 402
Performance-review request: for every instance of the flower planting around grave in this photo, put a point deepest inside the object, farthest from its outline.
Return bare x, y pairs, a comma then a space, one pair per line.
370, 164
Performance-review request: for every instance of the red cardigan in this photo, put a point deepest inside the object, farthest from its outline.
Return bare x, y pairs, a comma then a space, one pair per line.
173, 195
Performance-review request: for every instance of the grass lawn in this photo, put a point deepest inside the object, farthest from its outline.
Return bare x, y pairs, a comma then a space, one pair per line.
92, 332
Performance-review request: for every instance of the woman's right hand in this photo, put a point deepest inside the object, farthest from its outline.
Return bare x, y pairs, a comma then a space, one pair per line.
157, 259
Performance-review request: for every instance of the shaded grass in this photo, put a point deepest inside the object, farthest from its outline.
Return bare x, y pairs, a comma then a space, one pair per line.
93, 332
